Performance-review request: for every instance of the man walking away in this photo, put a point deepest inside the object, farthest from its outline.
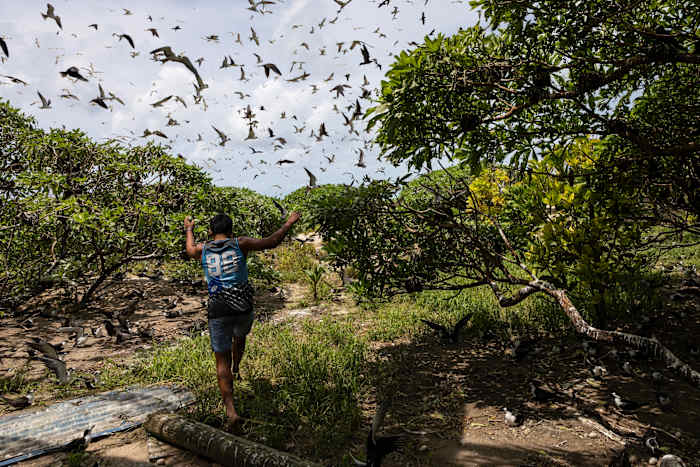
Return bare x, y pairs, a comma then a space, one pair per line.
230, 309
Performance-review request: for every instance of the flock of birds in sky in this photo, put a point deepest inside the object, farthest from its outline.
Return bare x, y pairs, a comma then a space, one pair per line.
348, 131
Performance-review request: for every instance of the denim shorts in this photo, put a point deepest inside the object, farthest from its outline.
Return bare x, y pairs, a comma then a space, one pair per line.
222, 330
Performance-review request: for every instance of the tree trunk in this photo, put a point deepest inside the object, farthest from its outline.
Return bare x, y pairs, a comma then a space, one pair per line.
639, 342
217, 445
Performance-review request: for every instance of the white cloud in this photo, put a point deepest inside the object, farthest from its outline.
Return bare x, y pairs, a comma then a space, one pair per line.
135, 79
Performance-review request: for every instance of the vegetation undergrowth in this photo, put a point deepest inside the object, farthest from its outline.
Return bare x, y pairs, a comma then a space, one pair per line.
301, 381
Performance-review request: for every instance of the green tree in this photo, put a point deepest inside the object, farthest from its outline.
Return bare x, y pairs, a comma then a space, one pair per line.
605, 93
74, 211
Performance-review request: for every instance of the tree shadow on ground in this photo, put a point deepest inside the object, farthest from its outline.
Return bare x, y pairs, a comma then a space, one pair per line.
453, 395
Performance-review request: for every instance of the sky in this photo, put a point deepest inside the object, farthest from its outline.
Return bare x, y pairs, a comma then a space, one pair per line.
289, 32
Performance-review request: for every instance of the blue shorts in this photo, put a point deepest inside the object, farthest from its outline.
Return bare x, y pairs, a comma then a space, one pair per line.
222, 330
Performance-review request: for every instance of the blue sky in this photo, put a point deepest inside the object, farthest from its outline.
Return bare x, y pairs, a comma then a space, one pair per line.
39, 50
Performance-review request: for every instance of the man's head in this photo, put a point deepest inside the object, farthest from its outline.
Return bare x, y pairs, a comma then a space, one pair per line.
221, 224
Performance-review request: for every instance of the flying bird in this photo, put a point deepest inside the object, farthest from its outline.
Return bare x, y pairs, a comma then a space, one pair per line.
169, 56
222, 135
365, 56
3, 46
284, 161
58, 367
127, 37
254, 36
451, 334
93, 25
361, 160
271, 67
251, 133
312, 178
378, 447
51, 14
162, 101
15, 80
45, 103
339, 90
73, 72
153, 31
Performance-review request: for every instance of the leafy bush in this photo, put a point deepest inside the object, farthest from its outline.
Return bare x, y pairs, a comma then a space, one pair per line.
292, 259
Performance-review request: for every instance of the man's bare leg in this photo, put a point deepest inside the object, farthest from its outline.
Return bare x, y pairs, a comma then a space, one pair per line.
225, 379
237, 354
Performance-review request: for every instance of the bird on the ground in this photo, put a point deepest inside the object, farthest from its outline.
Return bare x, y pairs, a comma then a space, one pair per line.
79, 444
223, 137
312, 178
450, 334
669, 460
19, 402
540, 394
170, 314
627, 368
511, 418
166, 54
73, 72
58, 367
50, 13
625, 404
127, 37
3, 46
522, 347
153, 31
45, 103
378, 447
664, 400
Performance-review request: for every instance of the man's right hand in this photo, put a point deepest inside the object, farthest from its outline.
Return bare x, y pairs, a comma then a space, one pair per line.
293, 217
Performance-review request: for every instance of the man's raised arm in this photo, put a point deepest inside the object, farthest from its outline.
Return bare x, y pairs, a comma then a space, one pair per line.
256, 244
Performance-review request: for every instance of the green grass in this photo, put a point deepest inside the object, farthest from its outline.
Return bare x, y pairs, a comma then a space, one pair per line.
15, 383
304, 380
291, 260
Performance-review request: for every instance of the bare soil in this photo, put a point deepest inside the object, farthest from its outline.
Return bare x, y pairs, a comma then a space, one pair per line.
447, 398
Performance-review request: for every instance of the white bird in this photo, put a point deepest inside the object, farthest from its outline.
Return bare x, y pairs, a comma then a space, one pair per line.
512, 419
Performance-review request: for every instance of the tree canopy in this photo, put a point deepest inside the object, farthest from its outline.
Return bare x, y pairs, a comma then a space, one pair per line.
574, 130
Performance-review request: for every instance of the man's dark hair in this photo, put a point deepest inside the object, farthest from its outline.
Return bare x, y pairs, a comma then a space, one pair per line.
221, 224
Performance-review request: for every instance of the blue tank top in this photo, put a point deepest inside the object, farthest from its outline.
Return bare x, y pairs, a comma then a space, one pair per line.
224, 264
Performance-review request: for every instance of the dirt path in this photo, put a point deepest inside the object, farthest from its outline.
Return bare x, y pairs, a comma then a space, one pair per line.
448, 398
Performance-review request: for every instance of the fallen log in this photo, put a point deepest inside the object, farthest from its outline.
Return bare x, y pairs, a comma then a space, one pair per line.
219, 446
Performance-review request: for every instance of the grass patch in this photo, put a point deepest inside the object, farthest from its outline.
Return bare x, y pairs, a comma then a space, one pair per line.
16, 383
304, 381
291, 260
